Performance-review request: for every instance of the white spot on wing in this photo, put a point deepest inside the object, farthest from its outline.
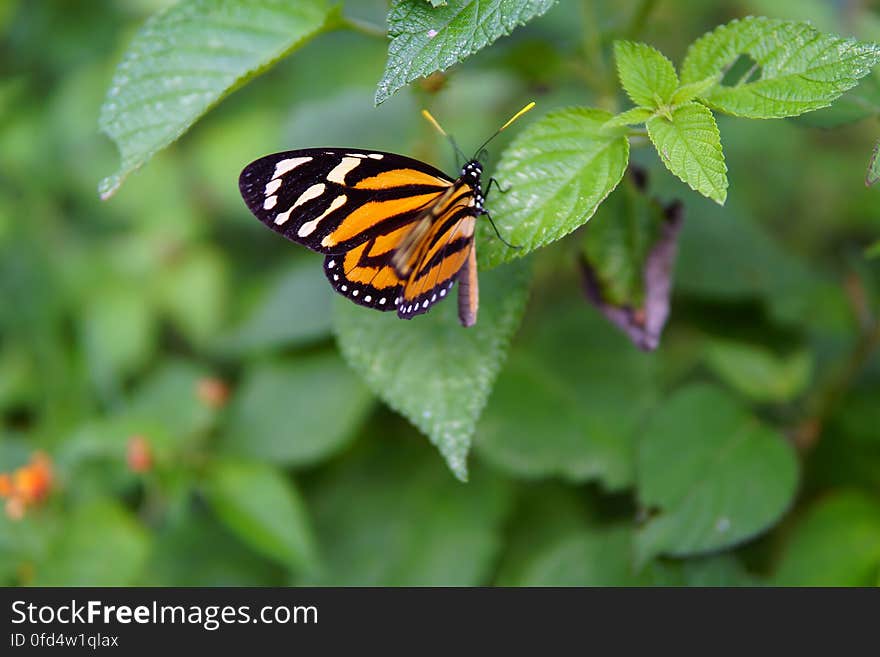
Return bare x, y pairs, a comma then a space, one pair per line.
368, 298
342, 169
376, 156
284, 216
344, 288
331, 264
309, 227
312, 192
289, 164
382, 301
270, 202
272, 186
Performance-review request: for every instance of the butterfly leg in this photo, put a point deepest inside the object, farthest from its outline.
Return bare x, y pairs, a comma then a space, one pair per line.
497, 184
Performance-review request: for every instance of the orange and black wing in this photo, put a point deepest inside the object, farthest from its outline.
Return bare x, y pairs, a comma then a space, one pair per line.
442, 255
354, 205
334, 199
395, 231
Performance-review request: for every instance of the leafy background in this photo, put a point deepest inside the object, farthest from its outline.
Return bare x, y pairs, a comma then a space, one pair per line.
213, 415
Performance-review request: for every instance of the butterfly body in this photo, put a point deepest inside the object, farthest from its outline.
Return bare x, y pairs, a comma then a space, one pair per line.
396, 232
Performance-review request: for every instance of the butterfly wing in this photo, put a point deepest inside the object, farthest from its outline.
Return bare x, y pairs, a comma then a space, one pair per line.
441, 255
333, 199
395, 231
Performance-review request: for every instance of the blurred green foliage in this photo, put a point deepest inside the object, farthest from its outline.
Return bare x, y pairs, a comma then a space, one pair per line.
179, 364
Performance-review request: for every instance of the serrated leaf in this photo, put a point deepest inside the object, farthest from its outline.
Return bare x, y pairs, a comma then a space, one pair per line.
390, 515
859, 103
633, 116
261, 506
431, 370
690, 147
296, 411
800, 69
187, 58
713, 475
428, 39
557, 172
759, 373
571, 412
646, 75
836, 543
687, 92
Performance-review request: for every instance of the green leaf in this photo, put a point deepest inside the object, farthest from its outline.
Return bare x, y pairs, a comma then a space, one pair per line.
592, 557
836, 543
757, 372
711, 473
873, 174
100, 544
261, 506
633, 116
295, 309
558, 171
170, 397
193, 293
118, 333
571, 412
648, 77
690, 146
431, 370
687, 92
617, 241
425, 39
192, 549
797, 69
861, 102
297, 411
185, 59
390, 515
532, 530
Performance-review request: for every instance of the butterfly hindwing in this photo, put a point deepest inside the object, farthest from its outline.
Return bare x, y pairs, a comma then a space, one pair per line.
443, 254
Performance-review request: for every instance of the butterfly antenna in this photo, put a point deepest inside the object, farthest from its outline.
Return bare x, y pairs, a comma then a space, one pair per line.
451, 139
501, 129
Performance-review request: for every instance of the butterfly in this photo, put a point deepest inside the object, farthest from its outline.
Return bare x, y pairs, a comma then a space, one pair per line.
396, 233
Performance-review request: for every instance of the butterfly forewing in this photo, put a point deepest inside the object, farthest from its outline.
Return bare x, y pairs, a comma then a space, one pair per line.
333, 199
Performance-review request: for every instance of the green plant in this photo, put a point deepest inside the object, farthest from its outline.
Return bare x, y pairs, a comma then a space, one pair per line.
178, 365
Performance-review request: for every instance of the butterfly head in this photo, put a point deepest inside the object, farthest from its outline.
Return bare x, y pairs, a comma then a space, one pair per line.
471, 173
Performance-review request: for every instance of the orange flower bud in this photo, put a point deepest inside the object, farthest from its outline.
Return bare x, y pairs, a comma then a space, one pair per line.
139, 454
212, 392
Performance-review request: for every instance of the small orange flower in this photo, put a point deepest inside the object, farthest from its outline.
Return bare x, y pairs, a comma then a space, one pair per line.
27, 485
212, 391
139, 454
